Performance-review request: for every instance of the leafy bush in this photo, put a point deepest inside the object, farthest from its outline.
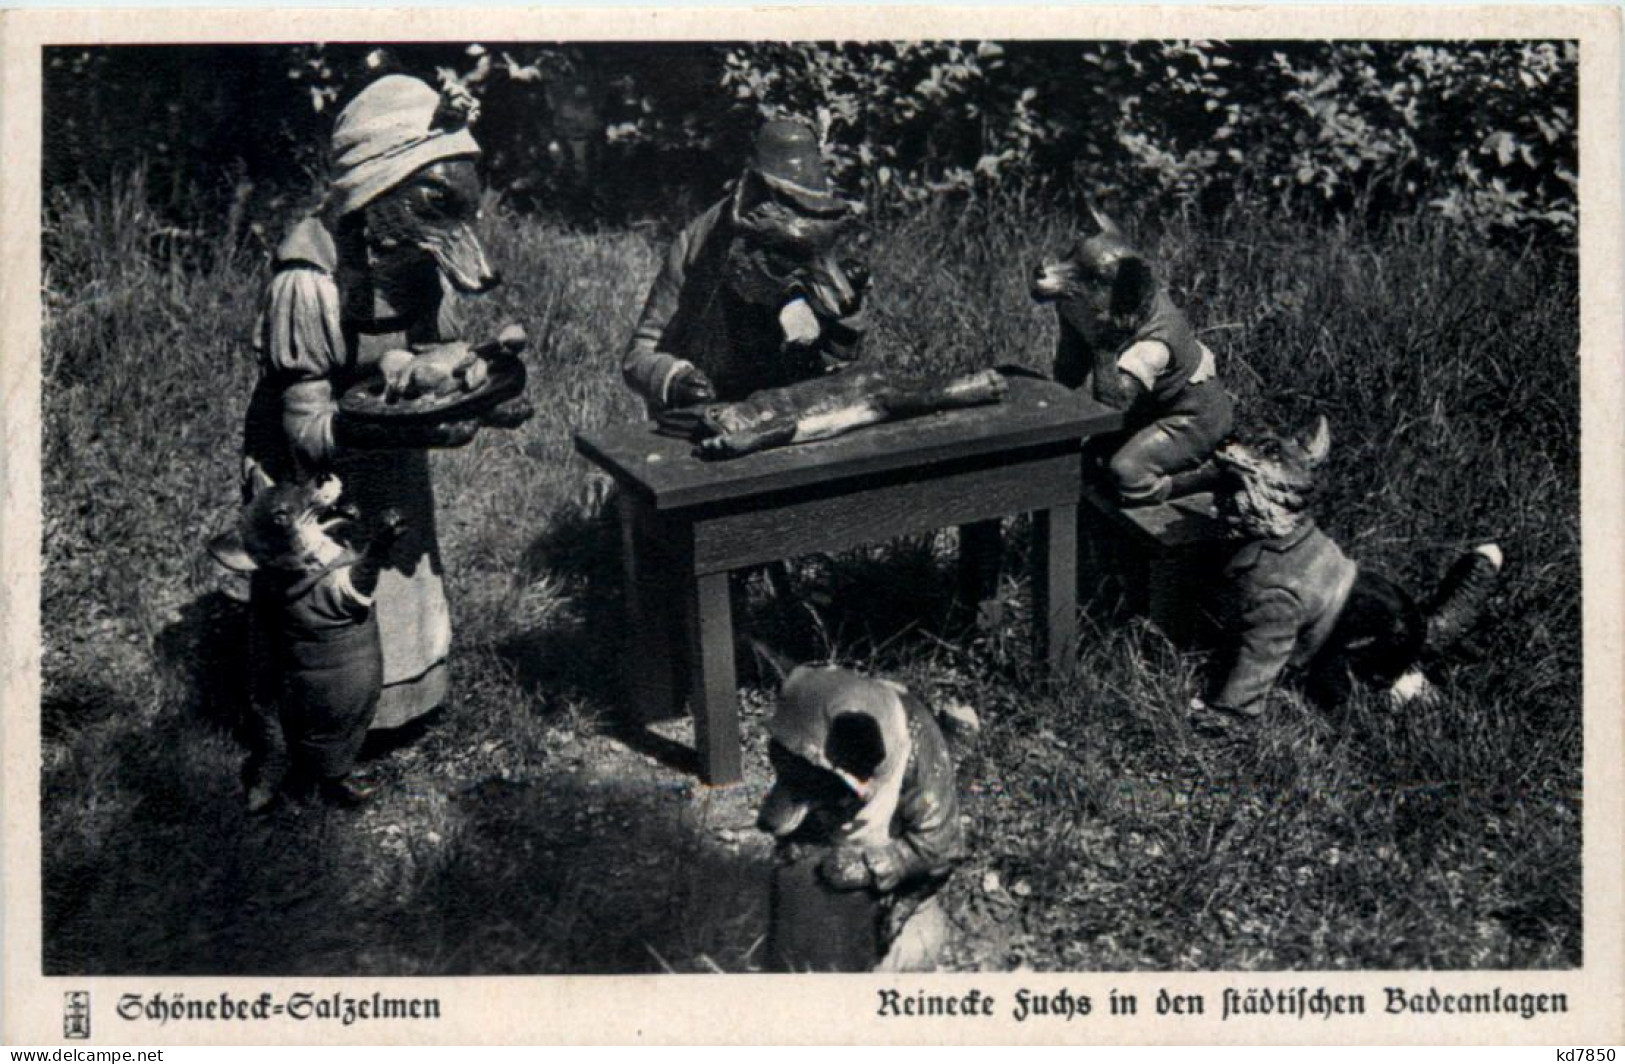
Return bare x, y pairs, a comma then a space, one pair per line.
1484, 132
1481, 132
914, 118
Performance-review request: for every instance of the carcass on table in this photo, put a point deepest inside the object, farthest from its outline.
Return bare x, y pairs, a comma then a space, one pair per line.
825, 406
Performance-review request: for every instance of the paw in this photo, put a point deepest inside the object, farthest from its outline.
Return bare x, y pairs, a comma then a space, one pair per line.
509, 414
391, 527
454, 434
1413, 687
691, 387
716, 447
845, 869
595, 494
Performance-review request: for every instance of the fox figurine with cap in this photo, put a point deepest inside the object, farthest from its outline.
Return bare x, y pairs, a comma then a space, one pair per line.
318, 682
865, 810
754, 293
373, 280
1121, 337
1294, 600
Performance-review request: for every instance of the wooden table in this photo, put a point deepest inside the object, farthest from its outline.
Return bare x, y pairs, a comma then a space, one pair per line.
687, 523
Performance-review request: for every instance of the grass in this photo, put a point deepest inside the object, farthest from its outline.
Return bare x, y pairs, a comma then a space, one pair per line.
525, 830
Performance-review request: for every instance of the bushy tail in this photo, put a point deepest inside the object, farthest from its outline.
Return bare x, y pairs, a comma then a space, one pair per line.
1462, 596
774, 665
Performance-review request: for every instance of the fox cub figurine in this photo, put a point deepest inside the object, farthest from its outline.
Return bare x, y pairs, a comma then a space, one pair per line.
864, 810
319, 660
1294, 599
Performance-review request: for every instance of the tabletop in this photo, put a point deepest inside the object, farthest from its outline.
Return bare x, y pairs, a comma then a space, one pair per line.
664, 470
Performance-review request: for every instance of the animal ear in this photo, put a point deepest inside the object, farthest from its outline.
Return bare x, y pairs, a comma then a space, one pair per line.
258, 481
1132, 289
776, 663
749, 193
227, 549
1317, 441
1104, 222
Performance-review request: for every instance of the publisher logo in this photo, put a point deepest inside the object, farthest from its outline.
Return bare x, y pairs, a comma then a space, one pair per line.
76, 1014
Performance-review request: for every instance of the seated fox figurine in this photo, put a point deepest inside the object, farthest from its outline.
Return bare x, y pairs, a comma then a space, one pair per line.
826, 406
1294, 599
1120, 336
319, 667
865, 811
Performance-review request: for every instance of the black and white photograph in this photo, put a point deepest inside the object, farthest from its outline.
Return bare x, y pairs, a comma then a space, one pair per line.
951, 504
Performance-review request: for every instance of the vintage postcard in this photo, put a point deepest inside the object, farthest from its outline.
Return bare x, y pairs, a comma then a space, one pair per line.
941, 524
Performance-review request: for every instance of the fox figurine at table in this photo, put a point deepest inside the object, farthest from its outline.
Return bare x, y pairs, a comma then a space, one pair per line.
1121, 338
1294, 599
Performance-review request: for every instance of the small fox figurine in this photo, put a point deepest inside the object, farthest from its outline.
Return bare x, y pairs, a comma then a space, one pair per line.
865, 813
320, 663
1121, 337
1294, 599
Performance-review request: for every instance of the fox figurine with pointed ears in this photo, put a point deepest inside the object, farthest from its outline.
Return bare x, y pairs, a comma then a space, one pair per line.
1122, 338
1295, 600
320, 670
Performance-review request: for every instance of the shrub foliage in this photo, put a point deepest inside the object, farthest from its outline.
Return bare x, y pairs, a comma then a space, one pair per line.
1482, 132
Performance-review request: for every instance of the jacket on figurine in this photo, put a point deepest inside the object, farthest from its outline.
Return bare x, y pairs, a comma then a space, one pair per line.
865, 788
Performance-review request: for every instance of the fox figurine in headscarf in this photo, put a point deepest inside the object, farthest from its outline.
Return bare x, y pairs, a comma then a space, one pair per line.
372, 280
1294, 599
865, 811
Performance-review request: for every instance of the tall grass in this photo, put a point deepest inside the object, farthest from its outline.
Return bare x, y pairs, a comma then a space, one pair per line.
526, 830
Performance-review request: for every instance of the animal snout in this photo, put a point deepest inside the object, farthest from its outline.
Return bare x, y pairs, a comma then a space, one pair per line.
326, 489
461, 257
1045, 283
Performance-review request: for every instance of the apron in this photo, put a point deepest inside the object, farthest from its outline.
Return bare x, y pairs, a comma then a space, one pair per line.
298, 345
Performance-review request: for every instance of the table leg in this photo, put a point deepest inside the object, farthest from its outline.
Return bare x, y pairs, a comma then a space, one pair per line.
714, 694
649, 665
1055, 588
979, 550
